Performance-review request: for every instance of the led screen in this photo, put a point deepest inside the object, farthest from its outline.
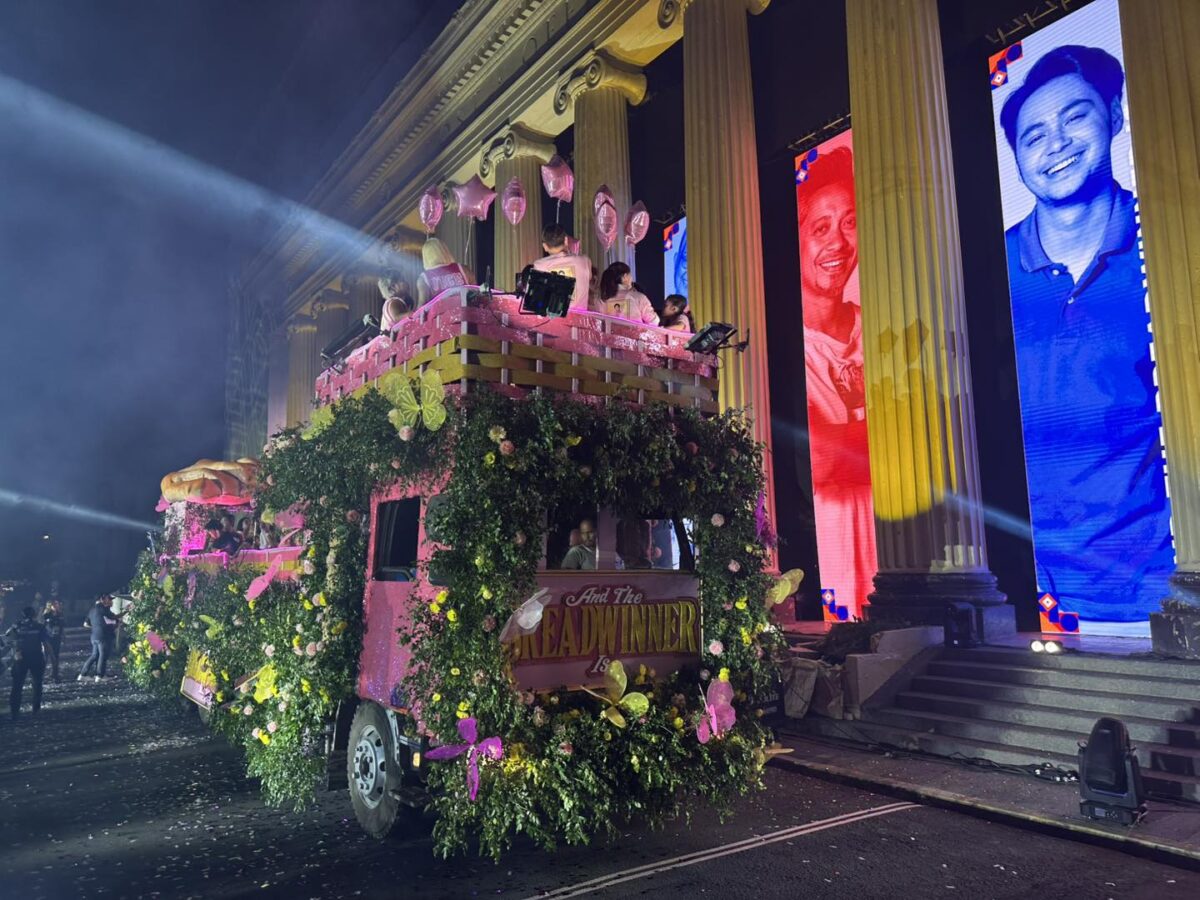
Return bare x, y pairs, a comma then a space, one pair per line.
833, 367
675, 276
1085, 366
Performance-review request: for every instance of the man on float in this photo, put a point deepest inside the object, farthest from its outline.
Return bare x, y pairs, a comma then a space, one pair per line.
559, 260
441, 271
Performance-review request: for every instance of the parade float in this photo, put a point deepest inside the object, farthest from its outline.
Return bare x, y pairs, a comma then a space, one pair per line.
519, 578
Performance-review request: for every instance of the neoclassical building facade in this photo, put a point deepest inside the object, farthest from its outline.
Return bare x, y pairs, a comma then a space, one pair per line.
505, 81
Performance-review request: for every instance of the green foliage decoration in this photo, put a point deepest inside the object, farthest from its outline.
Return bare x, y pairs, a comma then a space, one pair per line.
567, 774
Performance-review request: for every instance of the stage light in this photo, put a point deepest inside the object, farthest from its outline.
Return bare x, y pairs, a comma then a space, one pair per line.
1110, 782
1053, 647
1037, 646
545, 293
1045, 646
711, 338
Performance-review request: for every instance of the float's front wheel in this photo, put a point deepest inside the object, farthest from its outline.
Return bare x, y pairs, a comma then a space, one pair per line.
369, 769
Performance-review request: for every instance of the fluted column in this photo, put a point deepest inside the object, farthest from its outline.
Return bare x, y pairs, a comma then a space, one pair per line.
725, 261
1164, 105
304, 365
362, 291
520, 153
457, 233
920, 414
277, 381
600, 90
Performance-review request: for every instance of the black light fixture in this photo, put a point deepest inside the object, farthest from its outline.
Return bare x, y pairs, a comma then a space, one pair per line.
711, 338
1110, 782
960, 625
545, 293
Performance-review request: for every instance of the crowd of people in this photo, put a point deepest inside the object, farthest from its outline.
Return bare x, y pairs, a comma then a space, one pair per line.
229, 534
613, 291
36, 641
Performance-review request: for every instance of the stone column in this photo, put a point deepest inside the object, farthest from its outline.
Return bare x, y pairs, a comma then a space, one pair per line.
725, 262
277, 381
1164, 108
362, 289
516, 152
457, 233
304, 365
600, 89
920, 414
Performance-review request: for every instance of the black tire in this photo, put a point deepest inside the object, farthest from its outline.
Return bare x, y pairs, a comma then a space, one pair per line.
372, 772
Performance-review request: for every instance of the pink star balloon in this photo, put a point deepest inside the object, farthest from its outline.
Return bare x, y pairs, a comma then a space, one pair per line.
558, 179
474, 198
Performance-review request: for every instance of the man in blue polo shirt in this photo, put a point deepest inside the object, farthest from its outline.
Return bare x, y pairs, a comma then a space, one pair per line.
1098, 503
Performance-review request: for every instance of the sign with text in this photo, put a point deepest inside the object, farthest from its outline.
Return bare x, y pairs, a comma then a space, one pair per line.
649, 619
199, 682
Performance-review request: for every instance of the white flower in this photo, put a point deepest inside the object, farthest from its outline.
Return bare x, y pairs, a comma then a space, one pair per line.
717, 520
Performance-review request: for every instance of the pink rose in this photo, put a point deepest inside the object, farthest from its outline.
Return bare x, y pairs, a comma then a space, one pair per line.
247, 710
255, 733
565, 748
396, 464
283, 706
691, 447
353, 516
489, 623
718, 520
585, 471
270, 479
308, 567
507, 448
704, 674
311, 649
269, 650
735, 566
406, 432
716, 648
272, 727
299, 651
519, 539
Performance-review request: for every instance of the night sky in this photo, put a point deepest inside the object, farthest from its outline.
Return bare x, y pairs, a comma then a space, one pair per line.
134, 134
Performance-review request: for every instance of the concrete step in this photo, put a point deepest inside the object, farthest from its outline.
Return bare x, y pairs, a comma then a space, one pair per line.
1151, 755
1127, 684
1061, 697
1081, 662
1178, 734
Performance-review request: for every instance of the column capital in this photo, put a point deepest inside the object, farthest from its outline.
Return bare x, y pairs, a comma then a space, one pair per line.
329, 300
596, 69
298, 325
670, 10
510, 142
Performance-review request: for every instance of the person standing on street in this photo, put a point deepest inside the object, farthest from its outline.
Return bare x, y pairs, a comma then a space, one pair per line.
31, 637
52, 618
104, 629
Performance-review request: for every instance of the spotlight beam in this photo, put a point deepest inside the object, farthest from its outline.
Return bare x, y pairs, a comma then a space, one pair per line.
72, 511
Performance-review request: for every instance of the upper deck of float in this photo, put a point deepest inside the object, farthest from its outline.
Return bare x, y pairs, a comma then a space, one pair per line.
472, 338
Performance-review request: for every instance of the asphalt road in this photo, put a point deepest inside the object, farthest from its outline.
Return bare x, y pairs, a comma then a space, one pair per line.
106, 794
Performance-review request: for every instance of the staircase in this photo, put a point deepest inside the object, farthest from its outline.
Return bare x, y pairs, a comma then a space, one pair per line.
1016, 707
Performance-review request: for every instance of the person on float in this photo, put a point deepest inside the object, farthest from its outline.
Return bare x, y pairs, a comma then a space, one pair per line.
675, 315
618, 297
398, 300
833, 363
573, 265
441, 271
582, 555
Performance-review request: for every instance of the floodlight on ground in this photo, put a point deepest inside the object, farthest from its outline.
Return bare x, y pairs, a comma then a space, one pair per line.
1053, 647
1110, 782
1037, 646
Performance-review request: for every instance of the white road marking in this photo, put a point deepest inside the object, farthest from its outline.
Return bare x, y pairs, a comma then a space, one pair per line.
700, 856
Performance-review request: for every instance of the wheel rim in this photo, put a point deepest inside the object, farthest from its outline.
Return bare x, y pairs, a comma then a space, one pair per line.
370, 767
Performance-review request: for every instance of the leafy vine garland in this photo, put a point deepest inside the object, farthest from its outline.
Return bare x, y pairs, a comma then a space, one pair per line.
567, 772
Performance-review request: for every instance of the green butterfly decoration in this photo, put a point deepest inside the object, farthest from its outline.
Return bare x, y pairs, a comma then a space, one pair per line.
615, 699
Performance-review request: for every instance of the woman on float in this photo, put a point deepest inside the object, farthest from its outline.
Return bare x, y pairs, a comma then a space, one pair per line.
619, 298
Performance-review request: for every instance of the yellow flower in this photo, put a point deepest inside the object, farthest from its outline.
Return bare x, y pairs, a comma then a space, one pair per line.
308, 604
305, 686
251, 603
319, 598
574, 440
456, 671
723, 675
435, 608
452, 615
460, 714
489, 458
608, 735
441, 597
480, 562
740, 603
463, 706
224, 675
264, 737
339, 628
485, 592
746, 637
437, 698
312, 551
220, 695
233, 589
678, 723
296, 641
497, 433
324, 695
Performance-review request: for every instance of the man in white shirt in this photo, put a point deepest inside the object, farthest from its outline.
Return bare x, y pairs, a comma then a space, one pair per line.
572, 265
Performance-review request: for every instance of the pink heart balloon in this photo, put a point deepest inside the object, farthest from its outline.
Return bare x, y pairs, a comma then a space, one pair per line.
558, 179
474, 198
637, 223
430, 209
512, 201
605, 208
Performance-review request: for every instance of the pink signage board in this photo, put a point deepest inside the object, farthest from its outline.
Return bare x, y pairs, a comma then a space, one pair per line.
640, 617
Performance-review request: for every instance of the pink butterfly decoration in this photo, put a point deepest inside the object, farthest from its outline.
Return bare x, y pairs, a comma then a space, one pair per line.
489, 747
263, 581
718, 716
764, 530
191, 590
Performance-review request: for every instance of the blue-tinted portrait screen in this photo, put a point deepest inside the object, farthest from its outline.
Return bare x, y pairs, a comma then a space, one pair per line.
675, 278
1085, 364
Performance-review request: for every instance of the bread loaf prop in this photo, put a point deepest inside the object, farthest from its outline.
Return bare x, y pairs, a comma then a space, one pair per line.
212, 482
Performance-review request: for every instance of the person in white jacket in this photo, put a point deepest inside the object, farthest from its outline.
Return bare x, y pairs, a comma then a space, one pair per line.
618, 297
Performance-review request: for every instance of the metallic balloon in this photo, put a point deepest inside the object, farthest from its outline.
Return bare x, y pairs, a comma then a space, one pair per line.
605, 208
558, 179
512, 201
430, 208
637, 223
474, 198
